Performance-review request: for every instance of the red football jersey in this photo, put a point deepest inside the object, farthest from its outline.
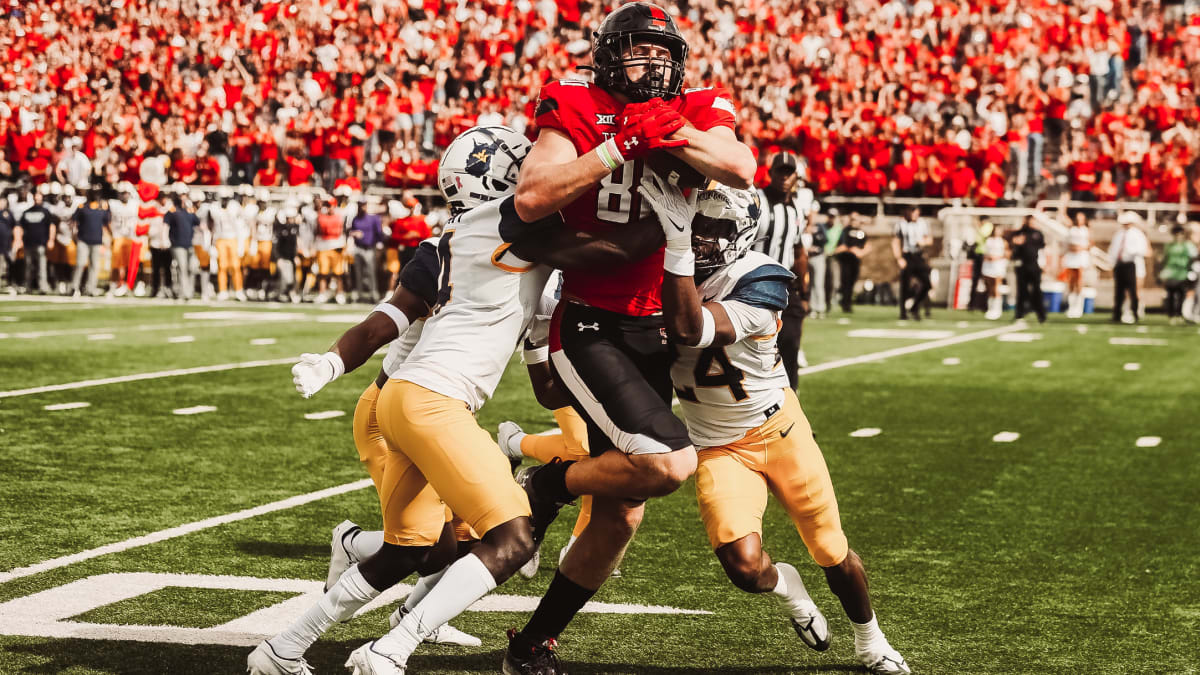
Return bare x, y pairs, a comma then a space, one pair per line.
587, 115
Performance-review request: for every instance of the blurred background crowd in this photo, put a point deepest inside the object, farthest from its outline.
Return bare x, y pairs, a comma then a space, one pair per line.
990, 102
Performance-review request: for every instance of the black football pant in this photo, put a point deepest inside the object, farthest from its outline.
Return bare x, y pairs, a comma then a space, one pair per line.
1029, 291
1125, 276
916, 271
849, 265
789, 340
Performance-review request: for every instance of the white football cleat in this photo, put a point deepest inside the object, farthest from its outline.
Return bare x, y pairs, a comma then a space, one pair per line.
444, 634
884, 661
366, 661
340, 557
508, 437
264, 661
811, 626
530, 569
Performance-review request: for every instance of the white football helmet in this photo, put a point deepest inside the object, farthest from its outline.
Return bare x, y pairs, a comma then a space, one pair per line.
481, 165
724, 228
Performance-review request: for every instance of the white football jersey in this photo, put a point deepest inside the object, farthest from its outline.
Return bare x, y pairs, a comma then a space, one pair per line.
725, 391
399, 349
486, 299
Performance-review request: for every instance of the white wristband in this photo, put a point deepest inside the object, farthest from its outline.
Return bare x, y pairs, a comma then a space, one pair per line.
708, 328
395, 315
335, 362
536, 355
680, 263
610, 155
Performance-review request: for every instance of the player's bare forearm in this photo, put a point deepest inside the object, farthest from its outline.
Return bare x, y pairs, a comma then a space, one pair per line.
570, 249
717, 154
545, 389
682, 311
554, 175
357, 345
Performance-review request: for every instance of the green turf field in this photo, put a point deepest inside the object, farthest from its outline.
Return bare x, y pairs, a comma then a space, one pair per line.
1069, 549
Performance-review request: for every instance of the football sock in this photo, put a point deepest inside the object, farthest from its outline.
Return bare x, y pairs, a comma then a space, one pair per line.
464, 582
422, 588
585, 516
551, 480
790, 588
339, 603
363, 544
867, 635
563, 600
542, 448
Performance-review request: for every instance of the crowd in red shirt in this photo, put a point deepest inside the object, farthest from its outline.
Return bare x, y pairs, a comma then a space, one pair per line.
985, 100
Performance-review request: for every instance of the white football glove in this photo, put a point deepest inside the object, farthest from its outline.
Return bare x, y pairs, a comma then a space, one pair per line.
314, 371
675, 213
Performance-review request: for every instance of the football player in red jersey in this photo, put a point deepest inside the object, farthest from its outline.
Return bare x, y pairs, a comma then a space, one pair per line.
608, 341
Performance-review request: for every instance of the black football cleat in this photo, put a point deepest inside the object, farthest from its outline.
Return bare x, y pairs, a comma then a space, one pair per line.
539, 660
543, 509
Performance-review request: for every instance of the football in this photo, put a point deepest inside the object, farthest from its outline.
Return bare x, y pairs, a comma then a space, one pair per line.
675, 171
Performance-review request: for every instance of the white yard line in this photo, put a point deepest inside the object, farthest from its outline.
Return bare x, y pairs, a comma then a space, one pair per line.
171, 533
30, 335
83, 384
911, 349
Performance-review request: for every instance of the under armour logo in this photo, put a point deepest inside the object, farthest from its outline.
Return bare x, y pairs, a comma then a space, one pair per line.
609, 120
589, 326
630, 143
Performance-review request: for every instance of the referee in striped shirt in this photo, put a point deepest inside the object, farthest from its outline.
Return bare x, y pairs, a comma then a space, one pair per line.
779, 226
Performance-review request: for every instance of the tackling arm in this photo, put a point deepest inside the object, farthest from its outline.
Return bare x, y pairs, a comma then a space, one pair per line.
685, 314
718, 154
554, 175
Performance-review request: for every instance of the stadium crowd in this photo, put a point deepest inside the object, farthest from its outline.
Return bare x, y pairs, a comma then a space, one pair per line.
989, 102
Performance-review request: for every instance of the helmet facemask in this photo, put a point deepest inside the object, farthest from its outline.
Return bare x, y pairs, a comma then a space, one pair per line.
724, 228
661, 77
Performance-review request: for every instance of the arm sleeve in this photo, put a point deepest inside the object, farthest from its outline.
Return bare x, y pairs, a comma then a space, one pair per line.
513, 230
749, 320
421, 273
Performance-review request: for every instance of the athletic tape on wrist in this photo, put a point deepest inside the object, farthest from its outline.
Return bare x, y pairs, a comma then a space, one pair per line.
680, 263
395, 315
708, 328
335, 362
536, 355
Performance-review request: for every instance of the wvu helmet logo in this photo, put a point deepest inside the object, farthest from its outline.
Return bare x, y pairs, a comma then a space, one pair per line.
479, 162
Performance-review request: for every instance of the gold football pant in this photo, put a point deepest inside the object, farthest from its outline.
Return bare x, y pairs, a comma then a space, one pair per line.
437, 448
780, 456
571, 444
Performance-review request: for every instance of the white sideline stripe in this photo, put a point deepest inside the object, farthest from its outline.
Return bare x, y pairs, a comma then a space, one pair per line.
109, 330
67, 406
94, 336
910, 349
179, 531
194, 410
324, 414
82, 384
49, 613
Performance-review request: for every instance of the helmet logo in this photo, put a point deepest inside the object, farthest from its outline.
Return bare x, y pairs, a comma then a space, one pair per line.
479, 162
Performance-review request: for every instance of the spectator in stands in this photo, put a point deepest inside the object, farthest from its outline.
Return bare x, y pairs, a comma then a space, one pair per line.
1127, 255
92, 222
1028, 251
1178, 256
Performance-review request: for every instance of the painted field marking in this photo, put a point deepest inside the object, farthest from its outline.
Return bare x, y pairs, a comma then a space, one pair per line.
82, 384
243, 316
178, 531
340, 318
94, 336
9, 318
843, 321
1148, 442
910, 334
49, 308
1133, 366
867, 432
1137, 342
1143, 329
1019, 337
1006, 437
48, 613
67, 406
1041, 364
1082, 330
109, 330
262, 342
194, 410
180, 339
951, 361
910, 349
963, 324
324, 414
